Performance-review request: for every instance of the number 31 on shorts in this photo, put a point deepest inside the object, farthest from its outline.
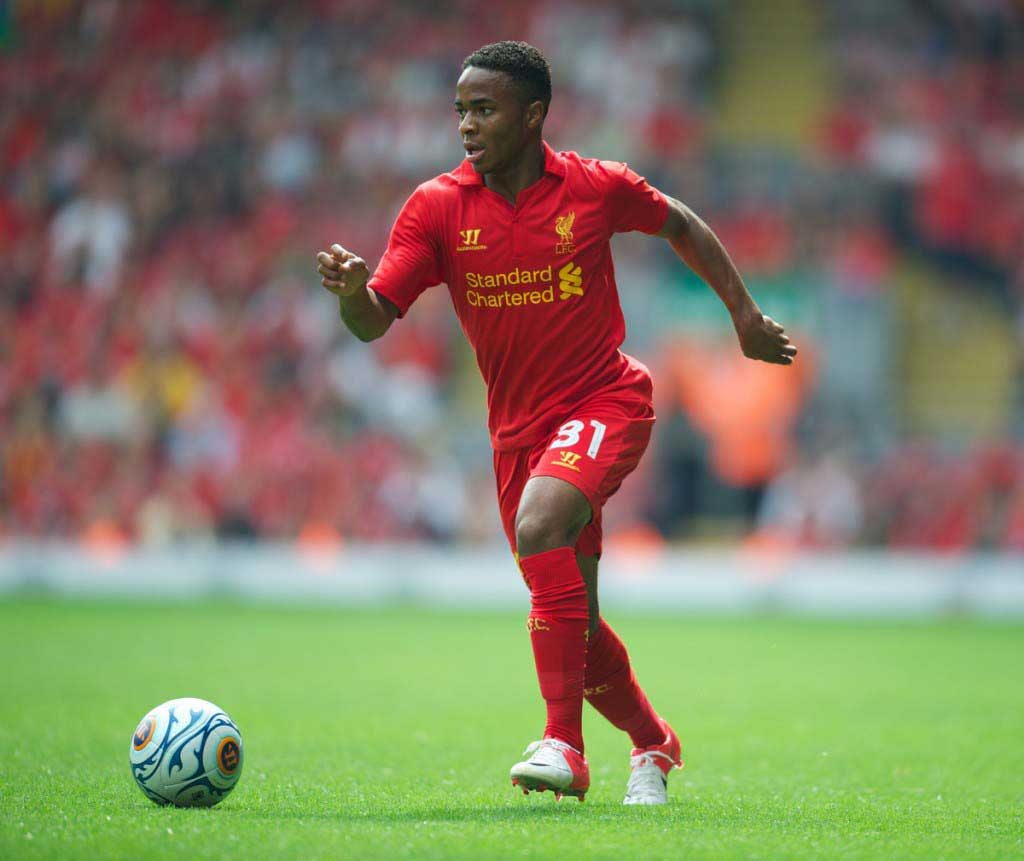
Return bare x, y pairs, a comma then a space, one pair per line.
569, 434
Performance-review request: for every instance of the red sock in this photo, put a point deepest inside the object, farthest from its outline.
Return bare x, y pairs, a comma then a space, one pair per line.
558, 633
612, 689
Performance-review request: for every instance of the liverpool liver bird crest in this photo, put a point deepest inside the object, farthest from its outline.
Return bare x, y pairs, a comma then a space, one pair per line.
563, 227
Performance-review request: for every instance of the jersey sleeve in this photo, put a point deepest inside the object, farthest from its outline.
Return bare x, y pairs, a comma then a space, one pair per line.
411, 262
633, 203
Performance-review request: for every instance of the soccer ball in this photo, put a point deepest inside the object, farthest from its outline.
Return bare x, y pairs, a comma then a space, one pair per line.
186, 752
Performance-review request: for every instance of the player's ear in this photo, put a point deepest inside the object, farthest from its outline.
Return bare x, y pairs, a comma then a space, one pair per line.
534, 114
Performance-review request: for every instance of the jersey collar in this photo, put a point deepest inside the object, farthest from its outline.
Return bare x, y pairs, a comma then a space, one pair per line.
553, 164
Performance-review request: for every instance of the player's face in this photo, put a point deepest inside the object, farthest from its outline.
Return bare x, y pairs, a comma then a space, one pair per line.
494, 123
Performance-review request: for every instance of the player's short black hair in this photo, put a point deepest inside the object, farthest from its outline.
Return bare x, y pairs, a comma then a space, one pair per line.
523, 63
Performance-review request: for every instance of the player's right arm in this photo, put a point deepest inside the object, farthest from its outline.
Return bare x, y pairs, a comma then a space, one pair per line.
411, 263
367, 314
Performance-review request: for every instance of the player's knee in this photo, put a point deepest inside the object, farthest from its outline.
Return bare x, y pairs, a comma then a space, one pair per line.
536, 533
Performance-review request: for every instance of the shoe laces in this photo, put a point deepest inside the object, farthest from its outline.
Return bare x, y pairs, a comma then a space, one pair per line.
646, 779
550, 751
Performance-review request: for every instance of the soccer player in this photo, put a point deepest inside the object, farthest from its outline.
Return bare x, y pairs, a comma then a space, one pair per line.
520, 234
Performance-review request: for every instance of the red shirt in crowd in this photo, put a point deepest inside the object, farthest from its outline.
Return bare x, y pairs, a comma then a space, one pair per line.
533, 284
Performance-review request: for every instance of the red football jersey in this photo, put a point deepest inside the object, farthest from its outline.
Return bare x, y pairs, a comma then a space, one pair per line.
533, 284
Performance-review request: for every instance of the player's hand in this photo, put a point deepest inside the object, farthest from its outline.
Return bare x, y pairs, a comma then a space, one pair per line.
764, 339
341, 271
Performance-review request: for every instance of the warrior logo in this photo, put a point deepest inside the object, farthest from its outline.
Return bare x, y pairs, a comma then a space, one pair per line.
470, 240
568, 460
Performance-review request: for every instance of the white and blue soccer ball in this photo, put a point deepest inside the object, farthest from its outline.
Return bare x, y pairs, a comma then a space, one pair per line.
186, 752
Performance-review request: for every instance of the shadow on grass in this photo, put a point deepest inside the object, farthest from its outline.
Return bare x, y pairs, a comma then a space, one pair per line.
567, 810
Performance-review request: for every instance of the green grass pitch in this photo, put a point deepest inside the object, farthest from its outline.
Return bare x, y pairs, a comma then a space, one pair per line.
389, 734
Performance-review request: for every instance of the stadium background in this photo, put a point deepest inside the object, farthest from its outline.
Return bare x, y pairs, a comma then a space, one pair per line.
170, 369
183, 416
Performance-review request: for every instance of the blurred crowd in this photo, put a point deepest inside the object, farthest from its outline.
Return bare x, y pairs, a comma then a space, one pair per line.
170, 368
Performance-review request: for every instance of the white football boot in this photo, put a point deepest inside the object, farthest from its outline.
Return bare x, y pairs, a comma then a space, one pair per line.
555, 765
649, 768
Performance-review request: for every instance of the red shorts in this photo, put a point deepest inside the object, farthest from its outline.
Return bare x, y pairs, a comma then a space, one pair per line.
596, 447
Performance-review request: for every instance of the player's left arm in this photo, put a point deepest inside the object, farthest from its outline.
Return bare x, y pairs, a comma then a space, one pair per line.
697, 246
